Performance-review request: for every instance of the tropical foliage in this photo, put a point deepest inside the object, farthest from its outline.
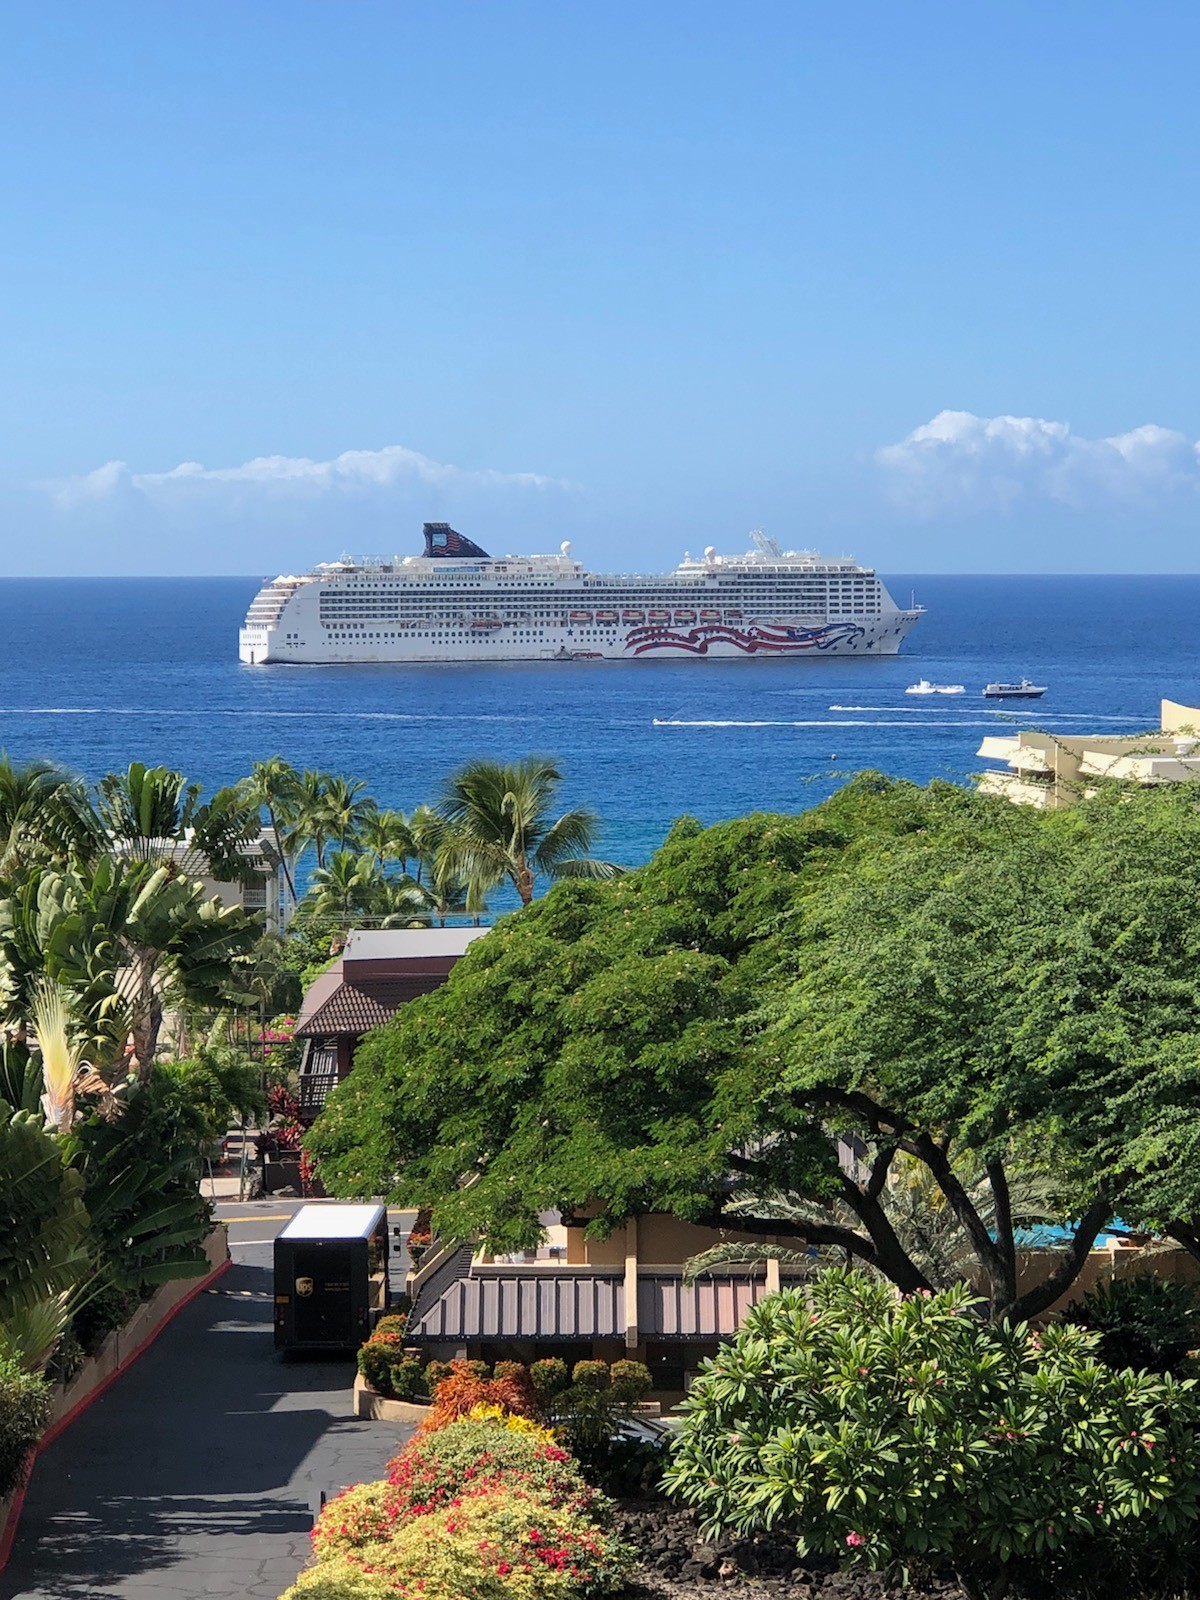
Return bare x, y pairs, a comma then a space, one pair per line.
797, 1007
891, 1431
24, 1412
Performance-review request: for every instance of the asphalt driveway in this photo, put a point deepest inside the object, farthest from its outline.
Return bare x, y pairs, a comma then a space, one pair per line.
197, 1474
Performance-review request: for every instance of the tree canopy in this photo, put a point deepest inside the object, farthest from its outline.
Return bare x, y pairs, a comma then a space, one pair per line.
915, 971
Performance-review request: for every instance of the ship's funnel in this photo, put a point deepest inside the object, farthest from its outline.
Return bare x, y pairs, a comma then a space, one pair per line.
442, 540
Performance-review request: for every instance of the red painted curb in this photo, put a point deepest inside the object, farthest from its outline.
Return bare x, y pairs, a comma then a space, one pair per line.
14, 1516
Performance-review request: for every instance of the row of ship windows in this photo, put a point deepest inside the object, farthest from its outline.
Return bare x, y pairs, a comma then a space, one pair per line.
621, 596
421, 608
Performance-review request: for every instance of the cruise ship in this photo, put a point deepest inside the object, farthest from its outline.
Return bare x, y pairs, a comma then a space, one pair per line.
454, 602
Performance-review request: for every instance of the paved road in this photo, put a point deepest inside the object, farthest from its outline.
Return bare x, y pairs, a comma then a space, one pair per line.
198, 1472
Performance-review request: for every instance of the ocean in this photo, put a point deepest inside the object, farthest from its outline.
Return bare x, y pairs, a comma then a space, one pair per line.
100, 672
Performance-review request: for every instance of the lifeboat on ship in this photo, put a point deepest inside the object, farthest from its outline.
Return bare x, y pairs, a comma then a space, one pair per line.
486, 624
733, 616
581, 616
685, 616
659, 616
606, 616
710, 616
633, 616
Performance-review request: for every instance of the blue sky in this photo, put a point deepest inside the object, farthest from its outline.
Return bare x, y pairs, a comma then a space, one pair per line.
914, 281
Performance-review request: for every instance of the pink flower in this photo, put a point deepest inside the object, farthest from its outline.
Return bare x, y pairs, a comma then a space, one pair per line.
855, 1539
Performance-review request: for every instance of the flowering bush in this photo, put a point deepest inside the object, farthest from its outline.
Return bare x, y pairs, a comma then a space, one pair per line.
497, 1544
435, 1467
339, 1579
357, 1516
889, 1430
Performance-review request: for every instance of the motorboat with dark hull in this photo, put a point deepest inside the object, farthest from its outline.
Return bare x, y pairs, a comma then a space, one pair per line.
1014, 691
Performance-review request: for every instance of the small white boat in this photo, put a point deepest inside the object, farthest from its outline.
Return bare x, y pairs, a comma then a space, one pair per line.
925, 687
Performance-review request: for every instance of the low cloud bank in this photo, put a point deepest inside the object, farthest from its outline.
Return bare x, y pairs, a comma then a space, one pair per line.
354, 471
960, 462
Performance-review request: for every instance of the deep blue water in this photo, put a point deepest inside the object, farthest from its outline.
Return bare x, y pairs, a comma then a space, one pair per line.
99, 672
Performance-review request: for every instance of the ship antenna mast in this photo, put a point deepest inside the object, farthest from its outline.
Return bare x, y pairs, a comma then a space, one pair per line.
765, 546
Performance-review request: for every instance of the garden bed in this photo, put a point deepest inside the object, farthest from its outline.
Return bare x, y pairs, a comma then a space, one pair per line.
677, 1564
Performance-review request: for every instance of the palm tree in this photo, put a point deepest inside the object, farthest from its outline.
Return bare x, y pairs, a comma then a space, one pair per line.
427, 830
274, 787
330, 808
499, 829
387, 835
311, 815
347, 807
351, 891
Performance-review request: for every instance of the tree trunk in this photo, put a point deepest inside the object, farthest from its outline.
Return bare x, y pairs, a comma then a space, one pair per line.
1043, 1295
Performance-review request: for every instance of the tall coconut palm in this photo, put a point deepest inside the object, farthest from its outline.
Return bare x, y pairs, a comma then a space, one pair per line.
427, 829
347, 807
350, 891
274, 787
311, 812
500, 828
388, 837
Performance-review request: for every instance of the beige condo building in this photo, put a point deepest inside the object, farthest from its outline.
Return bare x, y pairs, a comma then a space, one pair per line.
1051, 770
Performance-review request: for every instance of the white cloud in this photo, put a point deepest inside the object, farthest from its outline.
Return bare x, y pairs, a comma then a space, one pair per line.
354, 471
961, 462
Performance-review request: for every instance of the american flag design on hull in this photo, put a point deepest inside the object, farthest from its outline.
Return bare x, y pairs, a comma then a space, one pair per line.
776, 640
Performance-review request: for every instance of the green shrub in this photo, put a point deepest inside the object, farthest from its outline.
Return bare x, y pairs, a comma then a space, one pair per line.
884, 1430
395, 1322
406, 1380
438, 1371
376, 1358
1146, 1322
593, 1375
24, 1413
106, 1310
517, 1370
549, 1377
499, 1544
631, 1382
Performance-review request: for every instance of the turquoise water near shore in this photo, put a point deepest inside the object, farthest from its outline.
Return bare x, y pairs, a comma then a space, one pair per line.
99, 672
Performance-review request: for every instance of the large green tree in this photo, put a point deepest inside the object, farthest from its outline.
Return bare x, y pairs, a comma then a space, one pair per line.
785, 1005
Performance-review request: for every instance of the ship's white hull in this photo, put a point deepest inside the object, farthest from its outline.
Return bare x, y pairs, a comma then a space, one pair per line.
770, 639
